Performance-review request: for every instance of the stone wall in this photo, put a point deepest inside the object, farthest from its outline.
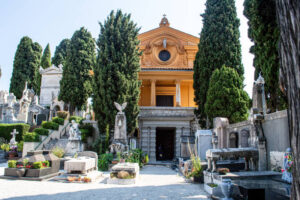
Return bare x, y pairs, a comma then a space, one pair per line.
275, 129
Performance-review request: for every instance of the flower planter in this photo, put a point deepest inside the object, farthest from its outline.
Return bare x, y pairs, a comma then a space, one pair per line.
19, 172
210, 190
38, 172
198, 179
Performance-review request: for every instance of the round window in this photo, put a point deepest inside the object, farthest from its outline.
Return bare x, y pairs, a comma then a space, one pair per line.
164, 55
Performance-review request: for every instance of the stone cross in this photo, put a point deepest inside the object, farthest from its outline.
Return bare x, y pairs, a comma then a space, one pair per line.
13, 139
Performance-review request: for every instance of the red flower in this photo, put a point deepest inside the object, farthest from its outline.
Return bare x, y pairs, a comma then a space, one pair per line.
282, 170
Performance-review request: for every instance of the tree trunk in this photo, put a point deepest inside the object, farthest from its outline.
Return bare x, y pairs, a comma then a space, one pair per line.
288, 15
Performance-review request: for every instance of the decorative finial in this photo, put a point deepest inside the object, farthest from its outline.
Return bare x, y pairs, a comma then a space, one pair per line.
164, 21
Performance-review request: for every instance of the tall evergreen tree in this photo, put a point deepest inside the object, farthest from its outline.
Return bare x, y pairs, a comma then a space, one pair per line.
46, 58
75, 85
226, 97
288, 15
60, 53
116, 71
264, 32
219, 45
25, 68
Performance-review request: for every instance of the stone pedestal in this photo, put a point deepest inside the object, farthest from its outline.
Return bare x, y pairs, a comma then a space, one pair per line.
73, 146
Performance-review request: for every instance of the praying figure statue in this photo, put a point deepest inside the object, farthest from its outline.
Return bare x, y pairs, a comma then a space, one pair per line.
120, 132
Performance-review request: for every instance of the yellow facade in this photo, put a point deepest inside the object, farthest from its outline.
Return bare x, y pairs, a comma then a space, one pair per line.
167, 67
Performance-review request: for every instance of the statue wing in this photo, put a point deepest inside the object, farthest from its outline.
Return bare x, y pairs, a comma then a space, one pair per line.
118, 106
124, 105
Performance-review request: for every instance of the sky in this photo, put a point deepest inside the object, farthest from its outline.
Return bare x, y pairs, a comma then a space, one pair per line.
50, 21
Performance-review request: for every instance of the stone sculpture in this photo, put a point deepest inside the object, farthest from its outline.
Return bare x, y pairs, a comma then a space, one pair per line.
13, 142
119, 143
74, 132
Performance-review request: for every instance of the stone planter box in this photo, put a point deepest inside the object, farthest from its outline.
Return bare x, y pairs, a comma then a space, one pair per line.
14, 172
38, 172
211, 190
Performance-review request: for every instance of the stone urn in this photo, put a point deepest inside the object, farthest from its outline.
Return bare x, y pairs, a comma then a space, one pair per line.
226, 188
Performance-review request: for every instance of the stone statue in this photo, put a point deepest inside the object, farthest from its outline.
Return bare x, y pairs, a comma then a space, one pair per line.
74, 132
119, 143
287, 166
13, 142
120, 133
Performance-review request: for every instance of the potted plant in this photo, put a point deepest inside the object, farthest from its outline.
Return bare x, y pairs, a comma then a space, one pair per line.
13, 152
197, 171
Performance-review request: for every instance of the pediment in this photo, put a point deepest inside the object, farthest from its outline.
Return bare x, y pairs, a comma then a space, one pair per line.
52, 70
179, 48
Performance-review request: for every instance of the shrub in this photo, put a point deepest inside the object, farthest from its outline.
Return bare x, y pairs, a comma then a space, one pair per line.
45, 163
41, 131
58, 120
6, 129
50, 125
62, 114
12, 164
37, 165
20, 145
89, 128
136, 156
5, 147
31, 137
59, 152
84, 133
104, 161
76, 118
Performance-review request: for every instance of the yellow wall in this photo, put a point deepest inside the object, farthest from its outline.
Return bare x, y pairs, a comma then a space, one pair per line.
186, 89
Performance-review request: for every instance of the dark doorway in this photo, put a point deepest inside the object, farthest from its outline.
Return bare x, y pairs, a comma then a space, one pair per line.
164, 100
165, 139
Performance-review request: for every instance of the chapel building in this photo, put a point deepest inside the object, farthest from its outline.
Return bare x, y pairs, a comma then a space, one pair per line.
167, 95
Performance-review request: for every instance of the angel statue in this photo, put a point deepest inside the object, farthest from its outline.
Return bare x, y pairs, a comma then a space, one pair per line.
120, 133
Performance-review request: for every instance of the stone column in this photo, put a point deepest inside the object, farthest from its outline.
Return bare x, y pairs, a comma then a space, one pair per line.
177, 145
178, 96
153, 92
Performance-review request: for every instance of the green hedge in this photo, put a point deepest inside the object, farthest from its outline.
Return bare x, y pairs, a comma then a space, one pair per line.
31, 137
50, 125
62, 114
89, 129
76, 118
41, 131
58, 120
6, 129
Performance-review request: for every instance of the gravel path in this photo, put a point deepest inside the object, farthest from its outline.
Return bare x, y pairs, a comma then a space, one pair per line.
156, 182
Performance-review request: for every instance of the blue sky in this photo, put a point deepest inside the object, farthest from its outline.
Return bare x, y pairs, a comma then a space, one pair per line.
50, 21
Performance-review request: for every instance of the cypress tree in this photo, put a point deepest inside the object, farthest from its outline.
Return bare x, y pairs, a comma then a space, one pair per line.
226, 97
75, 85
219, 45
25, 68
46, 58
116, 71
60, 53
264, 33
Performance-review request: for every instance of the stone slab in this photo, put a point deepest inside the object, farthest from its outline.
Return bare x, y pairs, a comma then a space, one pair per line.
118, 181
130, 167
